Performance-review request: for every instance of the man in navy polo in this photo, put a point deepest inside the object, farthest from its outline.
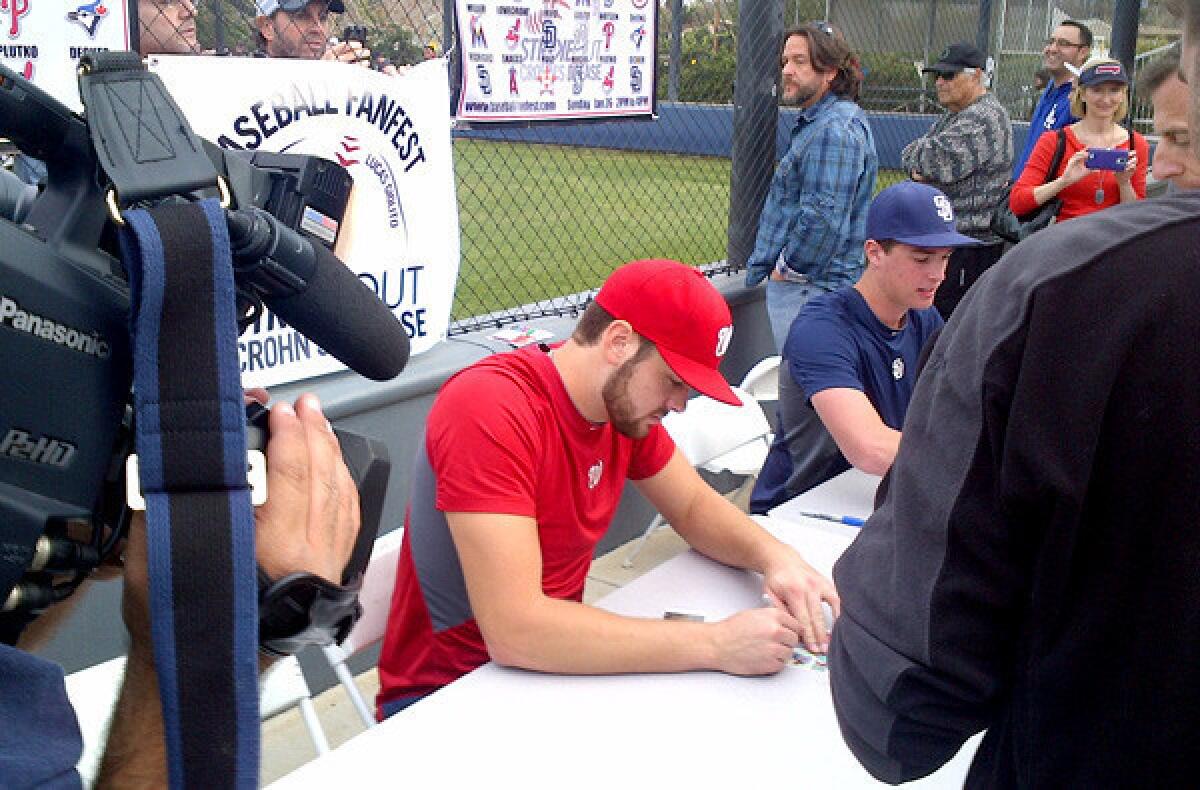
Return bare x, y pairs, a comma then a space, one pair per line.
850, 360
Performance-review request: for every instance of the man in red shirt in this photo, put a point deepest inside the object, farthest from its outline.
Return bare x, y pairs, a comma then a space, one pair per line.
524, 461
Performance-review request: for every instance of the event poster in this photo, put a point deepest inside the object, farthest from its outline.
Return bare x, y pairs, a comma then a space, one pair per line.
44, 39
391, 133
528, 60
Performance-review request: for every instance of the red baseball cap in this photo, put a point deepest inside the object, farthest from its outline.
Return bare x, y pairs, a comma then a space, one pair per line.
675, 307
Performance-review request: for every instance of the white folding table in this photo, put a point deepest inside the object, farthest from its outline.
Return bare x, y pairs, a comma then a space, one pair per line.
501, 727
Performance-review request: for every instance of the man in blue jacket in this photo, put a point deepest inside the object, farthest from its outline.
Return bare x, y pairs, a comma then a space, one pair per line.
1066, 50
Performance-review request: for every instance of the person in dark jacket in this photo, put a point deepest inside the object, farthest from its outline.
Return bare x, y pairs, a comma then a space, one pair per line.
1032, 567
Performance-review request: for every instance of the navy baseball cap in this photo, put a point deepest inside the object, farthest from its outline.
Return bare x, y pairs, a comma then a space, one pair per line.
915, 214
1105, 71
957, 57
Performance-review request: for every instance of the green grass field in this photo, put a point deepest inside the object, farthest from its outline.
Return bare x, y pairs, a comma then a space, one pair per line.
541, 221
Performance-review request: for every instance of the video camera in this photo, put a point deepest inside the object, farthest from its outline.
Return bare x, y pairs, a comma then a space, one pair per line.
65, 414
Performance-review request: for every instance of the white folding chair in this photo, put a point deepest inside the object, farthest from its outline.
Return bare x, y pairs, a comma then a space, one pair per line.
716, 437
376, 599
93, 693
762, 380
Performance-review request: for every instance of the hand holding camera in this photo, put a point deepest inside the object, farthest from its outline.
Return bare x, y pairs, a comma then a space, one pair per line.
352, 48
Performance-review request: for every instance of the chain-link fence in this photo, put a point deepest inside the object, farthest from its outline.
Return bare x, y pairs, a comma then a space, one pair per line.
547, 211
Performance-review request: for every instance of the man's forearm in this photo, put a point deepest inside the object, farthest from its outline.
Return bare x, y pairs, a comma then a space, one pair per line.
551, 635
715, 527
135, 756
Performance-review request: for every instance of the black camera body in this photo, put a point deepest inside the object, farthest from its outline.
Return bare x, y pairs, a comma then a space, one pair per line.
356, 33
65, 417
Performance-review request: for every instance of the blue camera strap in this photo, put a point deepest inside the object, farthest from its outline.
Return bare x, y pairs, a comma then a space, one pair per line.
191, 445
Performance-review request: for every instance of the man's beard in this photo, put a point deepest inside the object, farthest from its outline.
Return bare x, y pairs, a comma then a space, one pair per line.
802, 94
619, 406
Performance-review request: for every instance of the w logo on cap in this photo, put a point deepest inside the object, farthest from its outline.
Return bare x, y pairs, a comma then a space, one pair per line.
724, 335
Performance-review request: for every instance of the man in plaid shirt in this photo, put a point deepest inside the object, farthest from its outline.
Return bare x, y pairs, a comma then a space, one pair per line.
812, 227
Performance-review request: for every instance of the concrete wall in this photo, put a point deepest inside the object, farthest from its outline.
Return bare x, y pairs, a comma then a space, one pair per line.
395, 413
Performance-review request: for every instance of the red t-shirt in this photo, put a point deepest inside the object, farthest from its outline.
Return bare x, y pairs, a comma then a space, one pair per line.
1079, 198
503, 437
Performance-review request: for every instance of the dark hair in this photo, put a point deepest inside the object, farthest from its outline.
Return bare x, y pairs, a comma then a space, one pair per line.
591, 326
1085, 33
1155, 73
592, 323
829, 51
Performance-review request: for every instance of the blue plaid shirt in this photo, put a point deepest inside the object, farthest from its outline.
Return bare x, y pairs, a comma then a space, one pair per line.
816, 212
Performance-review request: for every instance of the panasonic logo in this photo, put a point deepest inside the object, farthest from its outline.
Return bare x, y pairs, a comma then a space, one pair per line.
13, 317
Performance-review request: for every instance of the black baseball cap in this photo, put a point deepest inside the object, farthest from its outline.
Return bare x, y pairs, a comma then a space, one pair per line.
957, 57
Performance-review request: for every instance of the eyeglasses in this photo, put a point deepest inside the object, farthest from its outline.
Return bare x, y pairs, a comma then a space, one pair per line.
823, 27
1061, 43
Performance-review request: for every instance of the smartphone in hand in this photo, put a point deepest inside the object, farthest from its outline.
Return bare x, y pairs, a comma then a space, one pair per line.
1114, 159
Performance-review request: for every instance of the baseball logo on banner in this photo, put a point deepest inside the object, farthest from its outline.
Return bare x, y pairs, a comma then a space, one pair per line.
593, 59
392, 134
44, 39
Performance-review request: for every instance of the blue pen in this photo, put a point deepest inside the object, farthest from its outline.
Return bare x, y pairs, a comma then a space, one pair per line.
853, 521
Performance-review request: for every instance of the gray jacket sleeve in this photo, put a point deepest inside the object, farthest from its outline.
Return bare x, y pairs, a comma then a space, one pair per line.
932, 586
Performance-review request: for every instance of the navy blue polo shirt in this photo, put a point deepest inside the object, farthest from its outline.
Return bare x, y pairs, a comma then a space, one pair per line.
836, 342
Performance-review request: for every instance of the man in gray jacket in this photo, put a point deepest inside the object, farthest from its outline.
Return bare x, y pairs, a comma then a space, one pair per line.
968, 155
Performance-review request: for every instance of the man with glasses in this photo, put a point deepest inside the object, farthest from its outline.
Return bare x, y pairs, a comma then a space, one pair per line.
1032, 567
967, 155
813, 225
1066, 50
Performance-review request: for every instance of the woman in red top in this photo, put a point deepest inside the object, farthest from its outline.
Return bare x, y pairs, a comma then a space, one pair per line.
1101, 101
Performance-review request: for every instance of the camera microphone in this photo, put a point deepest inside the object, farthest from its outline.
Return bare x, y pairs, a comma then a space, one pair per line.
309, 288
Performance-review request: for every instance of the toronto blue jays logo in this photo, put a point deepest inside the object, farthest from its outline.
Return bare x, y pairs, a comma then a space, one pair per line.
638, 34
88, 16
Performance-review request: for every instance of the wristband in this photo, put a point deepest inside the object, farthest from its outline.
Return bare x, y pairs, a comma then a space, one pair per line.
304, 609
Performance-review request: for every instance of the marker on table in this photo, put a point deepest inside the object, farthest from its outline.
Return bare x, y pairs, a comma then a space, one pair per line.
853, 521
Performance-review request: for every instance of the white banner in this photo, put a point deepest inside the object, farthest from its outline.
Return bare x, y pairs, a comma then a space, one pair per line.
556, 59
44, 39
400, 233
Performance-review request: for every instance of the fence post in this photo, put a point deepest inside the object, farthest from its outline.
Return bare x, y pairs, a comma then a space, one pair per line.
983, 36
755, 120
676, 50
1124, 32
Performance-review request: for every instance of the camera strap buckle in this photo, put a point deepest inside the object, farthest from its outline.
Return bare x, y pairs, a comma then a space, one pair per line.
141, 138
